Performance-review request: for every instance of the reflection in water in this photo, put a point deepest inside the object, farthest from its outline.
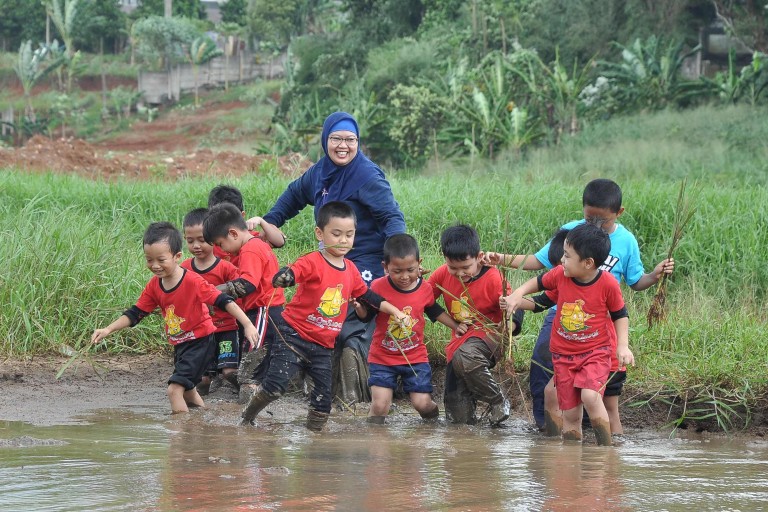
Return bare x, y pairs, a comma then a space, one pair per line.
577, 477
202, 461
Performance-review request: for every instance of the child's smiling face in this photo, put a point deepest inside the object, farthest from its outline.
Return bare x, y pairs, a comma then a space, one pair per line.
160, 260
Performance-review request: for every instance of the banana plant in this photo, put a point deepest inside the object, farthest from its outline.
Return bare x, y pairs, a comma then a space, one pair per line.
201, 50
63, 13
31, 67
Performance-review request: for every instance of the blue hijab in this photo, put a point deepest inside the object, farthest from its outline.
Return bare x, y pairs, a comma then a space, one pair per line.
338, 183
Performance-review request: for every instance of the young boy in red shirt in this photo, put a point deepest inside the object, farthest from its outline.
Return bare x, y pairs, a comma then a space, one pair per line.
312, 320
591, 320
216, 271
183, 298
400, 352
224, 227
471, 293
268, 232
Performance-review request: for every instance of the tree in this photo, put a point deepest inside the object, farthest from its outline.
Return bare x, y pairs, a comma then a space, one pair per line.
235, 11
273, 21
99, 21
20, 20
745, 20
202, 50
193, 9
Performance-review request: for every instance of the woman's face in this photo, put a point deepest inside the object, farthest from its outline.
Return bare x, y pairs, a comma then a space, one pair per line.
341, 149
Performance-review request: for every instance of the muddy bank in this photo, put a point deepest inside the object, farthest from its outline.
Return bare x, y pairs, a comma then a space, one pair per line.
31, 393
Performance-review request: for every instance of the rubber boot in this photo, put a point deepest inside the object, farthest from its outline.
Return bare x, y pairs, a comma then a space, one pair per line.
232, 379
376, 420
460, 408
349, 367
316, 420
259, 400
431, 415
499, 412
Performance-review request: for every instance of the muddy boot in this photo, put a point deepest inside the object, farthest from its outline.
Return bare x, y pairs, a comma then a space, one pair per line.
204, 386
232, 379
431, 415
316, 420
256, 404
376, 420
460, 408
249, 363
349, 367
499, 412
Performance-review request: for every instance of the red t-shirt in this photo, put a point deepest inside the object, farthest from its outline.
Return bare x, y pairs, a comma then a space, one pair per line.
388, 338
224, 255
583, 321
219, 273
319, 307
183, 307
481, 294
258, 265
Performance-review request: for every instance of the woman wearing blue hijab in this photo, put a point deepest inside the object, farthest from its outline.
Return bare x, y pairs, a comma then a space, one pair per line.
346, 174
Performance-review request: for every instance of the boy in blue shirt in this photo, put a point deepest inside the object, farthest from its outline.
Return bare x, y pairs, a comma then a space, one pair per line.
601, 202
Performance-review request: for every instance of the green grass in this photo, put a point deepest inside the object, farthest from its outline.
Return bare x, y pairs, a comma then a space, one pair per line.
73, 258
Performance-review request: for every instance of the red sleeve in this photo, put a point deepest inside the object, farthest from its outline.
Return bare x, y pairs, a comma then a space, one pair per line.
228, 271
551, 278
205, 290
252, 268
437, 279
148, 298
615, 300
304, 269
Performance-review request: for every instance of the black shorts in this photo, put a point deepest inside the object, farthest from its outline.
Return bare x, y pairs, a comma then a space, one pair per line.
190, 360
615, 383
227, 350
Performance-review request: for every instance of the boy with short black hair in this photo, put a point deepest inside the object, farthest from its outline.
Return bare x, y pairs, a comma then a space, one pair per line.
602, 205
183, 298
471, 293
224, 227
216, 271
591, 324
229, 194
313, 319
400, 351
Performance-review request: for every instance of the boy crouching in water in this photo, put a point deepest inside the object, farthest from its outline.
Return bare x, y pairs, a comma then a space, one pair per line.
471, 292
591, 320
312, 320
400, 351
183, 298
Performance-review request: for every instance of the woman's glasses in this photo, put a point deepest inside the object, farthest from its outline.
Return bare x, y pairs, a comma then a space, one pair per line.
335, 141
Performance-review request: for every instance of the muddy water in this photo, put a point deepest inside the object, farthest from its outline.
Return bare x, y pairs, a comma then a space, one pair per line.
151, 461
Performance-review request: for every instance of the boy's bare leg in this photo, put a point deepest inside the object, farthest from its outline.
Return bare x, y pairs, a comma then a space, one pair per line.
598, 416
572, 424
381, 400
424, 405
193, 398
612, 406
176, 397
553, 416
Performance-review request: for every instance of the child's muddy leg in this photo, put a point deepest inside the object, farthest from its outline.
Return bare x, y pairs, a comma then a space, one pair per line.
553, 416
572, 424
176, 397
193, 398
602, 430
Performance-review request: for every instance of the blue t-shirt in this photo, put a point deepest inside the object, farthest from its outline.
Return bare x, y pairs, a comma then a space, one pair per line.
623, 261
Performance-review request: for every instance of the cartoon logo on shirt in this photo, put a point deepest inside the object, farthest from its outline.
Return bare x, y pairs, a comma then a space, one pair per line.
459, 310
172, 321
573, 318
331, 302
402, 331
